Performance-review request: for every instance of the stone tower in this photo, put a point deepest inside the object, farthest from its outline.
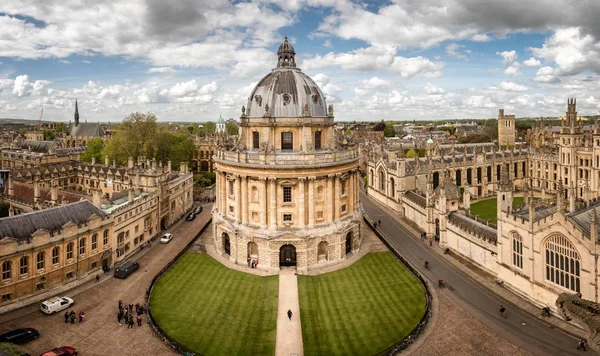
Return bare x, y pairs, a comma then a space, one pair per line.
506, 129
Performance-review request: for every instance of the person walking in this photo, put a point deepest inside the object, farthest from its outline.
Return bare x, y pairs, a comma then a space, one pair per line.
581, 345
289, 314
72, 315
81, 315
379, 222
430, 243
139, 320
131, 320
119, 316
97, 278
66, 317
502, 311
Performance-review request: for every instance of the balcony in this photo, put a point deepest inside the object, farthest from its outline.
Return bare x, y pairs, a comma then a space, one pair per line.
287, 158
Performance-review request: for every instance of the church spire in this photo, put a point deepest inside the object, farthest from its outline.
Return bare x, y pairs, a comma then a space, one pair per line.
76, 116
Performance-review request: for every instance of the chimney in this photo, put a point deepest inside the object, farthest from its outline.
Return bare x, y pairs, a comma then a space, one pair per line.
93, 160
572, 198
182, 168
169, 166
97, 198
114, 163
54, 194
154, 164
36, 191
130, 196
148, 164
130, 162
106, 161
11, 191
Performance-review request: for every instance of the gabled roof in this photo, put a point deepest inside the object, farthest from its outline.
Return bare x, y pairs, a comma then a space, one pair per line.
86, 129
21, 227
37, 146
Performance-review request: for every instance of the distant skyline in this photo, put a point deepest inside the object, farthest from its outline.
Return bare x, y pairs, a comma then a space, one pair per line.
196, 60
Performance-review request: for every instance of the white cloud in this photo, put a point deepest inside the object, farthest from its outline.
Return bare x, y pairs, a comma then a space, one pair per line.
532, 62
480, 101
509, 56
546, 75
512, 86
512, 71
453, 50
23, 87
64, 61
369, 85
481, 38
162, 70
433, 90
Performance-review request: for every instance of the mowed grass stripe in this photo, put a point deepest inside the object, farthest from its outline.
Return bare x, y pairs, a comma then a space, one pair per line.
360, 310
213, 310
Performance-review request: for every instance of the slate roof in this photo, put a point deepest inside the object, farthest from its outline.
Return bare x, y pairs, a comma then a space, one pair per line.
86, 129
583, 219
473, 226
540, 212
22, 226
37, 146
416, 197
450, 189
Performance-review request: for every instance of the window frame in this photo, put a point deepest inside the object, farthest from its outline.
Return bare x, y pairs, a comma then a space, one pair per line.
6, 270
56, 256
287, 195
517, 250
40, 263
69, 251
318, 139
24, 265
255, 140
287, 141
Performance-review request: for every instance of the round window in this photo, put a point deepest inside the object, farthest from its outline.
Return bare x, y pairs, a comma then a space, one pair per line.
286, 98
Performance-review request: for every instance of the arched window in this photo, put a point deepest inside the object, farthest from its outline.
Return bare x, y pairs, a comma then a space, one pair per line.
371, 176
105, 238
55, 254
255, 139
381, 181
82, 246
287, 140
24, 265
517, 250
70, 250
392, 188
6, 270
41, 260
562, 263
94, 242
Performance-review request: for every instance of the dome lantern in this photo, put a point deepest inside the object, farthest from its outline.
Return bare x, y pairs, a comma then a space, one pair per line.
286, 55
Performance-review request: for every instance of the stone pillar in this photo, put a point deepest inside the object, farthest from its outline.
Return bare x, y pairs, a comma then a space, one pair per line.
97, 198
263, 203
106, 161
169, 166
336, 197
272, 203
224, 193
301, 212
36, 191
244, 200
130, 195
54, 193
329, 198
93, 160
154, 164
238, 199
130, 162
11, 190
311, 202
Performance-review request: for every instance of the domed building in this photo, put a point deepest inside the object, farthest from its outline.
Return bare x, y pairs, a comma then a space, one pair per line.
287, 190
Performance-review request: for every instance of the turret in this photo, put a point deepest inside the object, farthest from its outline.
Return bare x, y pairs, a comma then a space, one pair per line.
505, 193
76, 115
560, 196
571, 198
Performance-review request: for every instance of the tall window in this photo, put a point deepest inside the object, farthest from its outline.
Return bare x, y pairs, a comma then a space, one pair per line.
381, 181
343, 187
24, 265
70, 250
105, 238
82, 246
6, 270
287, 141
41, 260
517, 250
55, 254
562, 263
318, 140
287, 194
95, 241
392, 187
255, 139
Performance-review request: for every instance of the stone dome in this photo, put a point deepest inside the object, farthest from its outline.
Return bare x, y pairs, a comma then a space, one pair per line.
286, 91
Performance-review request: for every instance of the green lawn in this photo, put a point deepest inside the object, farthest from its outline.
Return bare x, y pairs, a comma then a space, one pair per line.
213, 310
360, 310
487, 209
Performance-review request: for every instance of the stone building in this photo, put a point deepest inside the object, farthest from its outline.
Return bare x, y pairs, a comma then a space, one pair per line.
287, 190
507, 132
28, 154
80, 133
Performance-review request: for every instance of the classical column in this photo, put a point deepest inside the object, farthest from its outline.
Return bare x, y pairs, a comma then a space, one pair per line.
263, 203
336, 197
224, 193
244, 200
350, 192
238, 199
329, 197
272, 203
311, 201
301, 212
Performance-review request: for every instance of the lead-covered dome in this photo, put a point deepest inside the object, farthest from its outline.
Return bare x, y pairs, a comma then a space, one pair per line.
286, 90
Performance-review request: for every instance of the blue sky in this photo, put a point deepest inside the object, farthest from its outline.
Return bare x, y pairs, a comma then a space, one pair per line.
393, 60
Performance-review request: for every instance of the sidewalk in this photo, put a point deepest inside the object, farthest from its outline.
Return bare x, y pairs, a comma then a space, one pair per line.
489, 281
289, 332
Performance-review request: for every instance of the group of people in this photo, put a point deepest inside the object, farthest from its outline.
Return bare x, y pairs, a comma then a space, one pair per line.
126, 313
72, 317
252, 263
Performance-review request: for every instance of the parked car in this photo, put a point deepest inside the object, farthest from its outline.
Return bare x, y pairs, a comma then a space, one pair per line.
197, 210
56, 304
61, 351
190, 217
127, 268
20, 336
166, 239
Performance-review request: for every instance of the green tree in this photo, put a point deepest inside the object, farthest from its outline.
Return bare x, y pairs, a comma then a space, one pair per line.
12, 349
205, 179
61, 127
380, 126
49, 135
209, 127
201, 131
135, 136
192, 128
388, 131
231, 128
95, 148
411, 153
174, 147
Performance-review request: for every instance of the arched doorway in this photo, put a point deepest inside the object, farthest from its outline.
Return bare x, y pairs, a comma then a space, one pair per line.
322, 251
252, 250
226, 244
287, 255
163, 223
349, 237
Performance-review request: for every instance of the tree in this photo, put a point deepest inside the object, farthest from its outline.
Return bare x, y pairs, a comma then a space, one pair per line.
61, 127
11, 349
209, 127
95, 147
49, 135
174, 147
135, 136
388, 131
231, 128
380, 126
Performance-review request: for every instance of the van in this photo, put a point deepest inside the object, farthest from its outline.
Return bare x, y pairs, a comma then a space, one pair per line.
127, 268
56, 304
20, 336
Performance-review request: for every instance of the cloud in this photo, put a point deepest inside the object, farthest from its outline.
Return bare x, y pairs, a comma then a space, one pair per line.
512, 71
64, 61
369, 85
511, 86
162, 70
510, 57
479, 101
330, 90
453, 50
23, 87
532, 62
546, 75
433, 90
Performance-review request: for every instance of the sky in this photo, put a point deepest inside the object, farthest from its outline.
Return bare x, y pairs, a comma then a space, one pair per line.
194, 60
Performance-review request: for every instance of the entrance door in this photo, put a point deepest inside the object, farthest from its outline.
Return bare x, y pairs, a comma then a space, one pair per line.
287, 255
349, 243
226, 244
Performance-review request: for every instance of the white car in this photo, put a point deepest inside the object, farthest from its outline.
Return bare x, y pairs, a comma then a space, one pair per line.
165, 239
56, 304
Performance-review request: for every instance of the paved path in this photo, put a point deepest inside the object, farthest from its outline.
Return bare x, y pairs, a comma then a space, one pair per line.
521, 328
100, 334
289, 332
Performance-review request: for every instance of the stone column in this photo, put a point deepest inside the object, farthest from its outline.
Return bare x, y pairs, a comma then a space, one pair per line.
238, 199
263, 202
336, 197
329, 198
225, 193
350, 193
311, 201
272, 203
301, 212
244, 200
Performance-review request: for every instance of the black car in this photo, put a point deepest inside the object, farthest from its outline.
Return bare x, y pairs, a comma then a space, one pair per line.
197, 210
20, 336
127, 268
190, 217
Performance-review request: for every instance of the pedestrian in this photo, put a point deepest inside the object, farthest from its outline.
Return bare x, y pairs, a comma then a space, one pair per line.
137, 308
252, 264
81, 316
289, 313
379, 222
502, 311
430, 243
130, 321
581, 345
149, 243
375, 225
66, 317
72, 315
249, 260
120, 304
130, 308
119, 316
139, 320
97, 278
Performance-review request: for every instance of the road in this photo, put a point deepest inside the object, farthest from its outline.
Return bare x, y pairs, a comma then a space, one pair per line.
518, 327
100, 334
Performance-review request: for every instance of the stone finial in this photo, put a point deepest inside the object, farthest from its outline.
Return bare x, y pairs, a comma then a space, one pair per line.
330, 110
243, 110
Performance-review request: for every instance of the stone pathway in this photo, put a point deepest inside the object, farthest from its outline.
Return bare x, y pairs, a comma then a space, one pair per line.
289, 332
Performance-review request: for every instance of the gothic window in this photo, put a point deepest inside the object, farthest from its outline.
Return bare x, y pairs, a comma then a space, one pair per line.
255, 139
381, 181
55, 254
287, 140
41, 260
318, 140
70, 250
562, 263
392, 187
24, 265
287, 194
517, 250
82, 246
6, 270
105, 239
